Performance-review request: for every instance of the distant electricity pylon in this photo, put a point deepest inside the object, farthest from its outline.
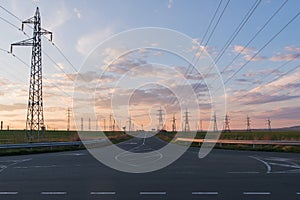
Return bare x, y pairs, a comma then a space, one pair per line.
35, 116
68, 116
215, 122
174, 124
269, 124
248, 123
226, 127
186, 121
160, 120
81, 124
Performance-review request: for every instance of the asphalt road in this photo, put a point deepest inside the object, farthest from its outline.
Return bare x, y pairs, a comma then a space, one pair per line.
223, 174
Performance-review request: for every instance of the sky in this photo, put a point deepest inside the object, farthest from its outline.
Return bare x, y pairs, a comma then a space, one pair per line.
257, 61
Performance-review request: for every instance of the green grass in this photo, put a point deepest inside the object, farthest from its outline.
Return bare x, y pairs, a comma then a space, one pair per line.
243, 135
19, 136
261, 135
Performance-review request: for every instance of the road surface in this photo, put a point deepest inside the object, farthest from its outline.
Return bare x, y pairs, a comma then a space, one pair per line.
223, 174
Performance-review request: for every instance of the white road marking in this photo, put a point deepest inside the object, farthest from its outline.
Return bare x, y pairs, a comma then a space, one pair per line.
20, 167
8, 193
205, 193
133, 152
53, 193
131, 143
14, 162
256, 193
264, 162
144, 138
285, 165
35, 166
103, 193
153, 193
243, 172
298, 193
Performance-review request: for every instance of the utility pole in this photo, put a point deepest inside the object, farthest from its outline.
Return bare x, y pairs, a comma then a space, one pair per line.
35, 116
1, 125
186, 121
81, 124
248, 124
226, 127
215, 122
160, 120
269, 124
68, 115
173, 124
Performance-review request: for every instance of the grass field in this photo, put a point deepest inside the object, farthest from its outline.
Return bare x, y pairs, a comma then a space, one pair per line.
243, 135
19, 136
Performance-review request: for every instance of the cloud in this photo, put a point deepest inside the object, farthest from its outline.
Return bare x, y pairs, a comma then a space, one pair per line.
12, 107
59, 17
77, 12
170, 3
285, 57
87, 42
293, 49
291, 53
248, 53
258, 98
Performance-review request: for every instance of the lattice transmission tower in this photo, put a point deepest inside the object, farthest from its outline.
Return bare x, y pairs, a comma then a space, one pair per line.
186, 121
248, 123
226, 127
160, 120
35, 116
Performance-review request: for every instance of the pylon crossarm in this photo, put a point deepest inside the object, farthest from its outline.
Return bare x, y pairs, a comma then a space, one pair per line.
27, 42
46, 32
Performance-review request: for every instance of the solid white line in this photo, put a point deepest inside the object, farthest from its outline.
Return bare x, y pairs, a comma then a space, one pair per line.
103, 193
53, 193
8, 193
264, 162
256, 193
205, 193
153, 193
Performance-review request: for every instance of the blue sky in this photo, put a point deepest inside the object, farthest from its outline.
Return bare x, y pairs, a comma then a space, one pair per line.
79, 26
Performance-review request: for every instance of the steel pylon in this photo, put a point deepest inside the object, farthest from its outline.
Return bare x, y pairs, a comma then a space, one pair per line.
35, 116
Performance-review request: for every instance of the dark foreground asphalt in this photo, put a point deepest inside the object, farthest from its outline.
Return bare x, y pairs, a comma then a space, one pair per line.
223, 174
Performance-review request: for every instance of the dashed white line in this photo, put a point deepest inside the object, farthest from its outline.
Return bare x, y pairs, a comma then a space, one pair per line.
8, 193
153, 193
102, 193
298, 193
53, 193
243, 172
256, 193
205, 193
